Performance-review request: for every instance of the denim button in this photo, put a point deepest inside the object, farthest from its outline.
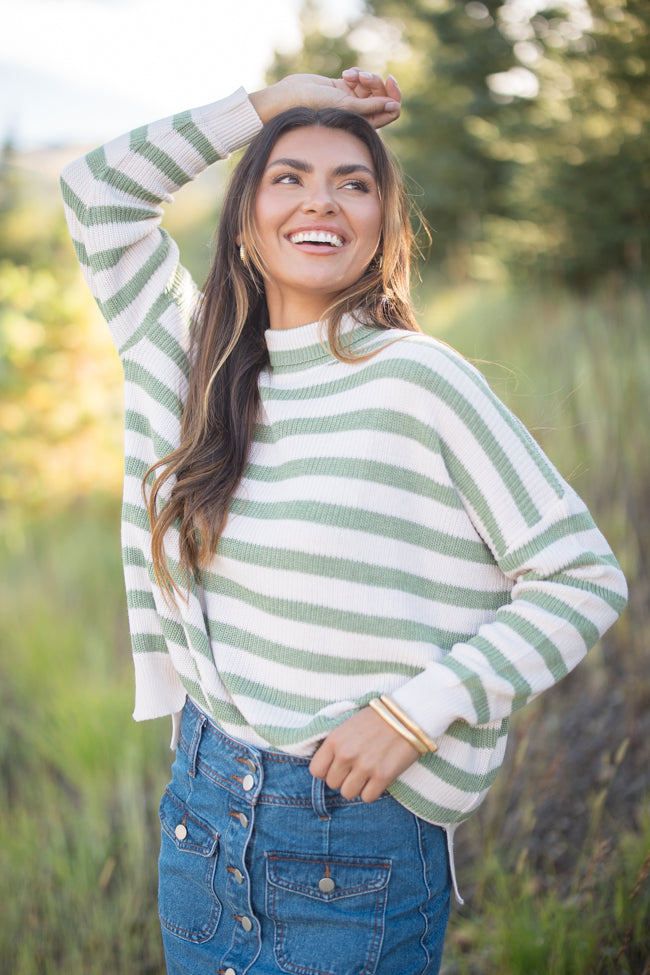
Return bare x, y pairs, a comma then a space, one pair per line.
248, 783
250, 765
246, 923
238, 875
243, 819
230, 971
181, 831
326, 885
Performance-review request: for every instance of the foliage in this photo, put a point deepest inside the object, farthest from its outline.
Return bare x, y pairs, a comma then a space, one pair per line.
526, 126
60, 383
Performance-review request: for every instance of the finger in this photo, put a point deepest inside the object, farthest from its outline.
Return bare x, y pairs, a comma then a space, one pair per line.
354, 784
372, 83
393, 89
372, 790
321, 761
373, 105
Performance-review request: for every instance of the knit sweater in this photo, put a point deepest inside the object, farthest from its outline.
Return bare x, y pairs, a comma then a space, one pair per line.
396, 530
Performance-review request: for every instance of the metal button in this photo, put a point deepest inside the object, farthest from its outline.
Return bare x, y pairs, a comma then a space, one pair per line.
326, 885
248, 783
246, 923
238, 875
243, 819
181, 831
250, 765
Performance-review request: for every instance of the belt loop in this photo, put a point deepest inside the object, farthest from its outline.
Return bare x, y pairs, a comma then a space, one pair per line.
199, 725
318, 798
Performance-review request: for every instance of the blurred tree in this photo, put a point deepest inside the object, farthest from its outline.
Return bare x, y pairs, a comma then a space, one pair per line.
525, 125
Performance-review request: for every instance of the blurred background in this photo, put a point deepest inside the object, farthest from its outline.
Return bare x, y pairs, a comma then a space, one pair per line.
526, 145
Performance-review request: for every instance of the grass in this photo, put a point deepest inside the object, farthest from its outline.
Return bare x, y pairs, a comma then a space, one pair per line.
554, 866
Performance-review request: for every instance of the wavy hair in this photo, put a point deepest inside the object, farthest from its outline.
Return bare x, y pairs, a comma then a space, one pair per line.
228, 348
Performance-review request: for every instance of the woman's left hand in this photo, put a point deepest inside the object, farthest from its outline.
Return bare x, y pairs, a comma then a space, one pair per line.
355, 91
362, 756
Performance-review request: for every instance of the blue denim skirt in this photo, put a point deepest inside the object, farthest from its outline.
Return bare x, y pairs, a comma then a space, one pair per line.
263, 869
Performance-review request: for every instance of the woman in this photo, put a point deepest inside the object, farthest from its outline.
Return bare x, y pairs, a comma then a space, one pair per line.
350, 563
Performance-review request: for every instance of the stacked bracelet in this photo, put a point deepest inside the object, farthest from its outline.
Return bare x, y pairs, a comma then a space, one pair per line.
409, 723
397, 725
392, 713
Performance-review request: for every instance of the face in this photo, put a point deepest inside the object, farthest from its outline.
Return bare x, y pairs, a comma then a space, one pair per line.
317, 221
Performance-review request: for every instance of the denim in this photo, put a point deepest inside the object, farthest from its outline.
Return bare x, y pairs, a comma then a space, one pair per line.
263, 869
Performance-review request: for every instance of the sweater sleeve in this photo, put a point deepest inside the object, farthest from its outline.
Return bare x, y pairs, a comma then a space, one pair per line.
113, 200
567, 587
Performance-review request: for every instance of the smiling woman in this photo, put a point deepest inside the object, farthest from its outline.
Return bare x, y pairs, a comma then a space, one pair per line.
317, 221
351, 563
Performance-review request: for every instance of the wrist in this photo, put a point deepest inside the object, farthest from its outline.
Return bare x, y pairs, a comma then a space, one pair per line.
268, 102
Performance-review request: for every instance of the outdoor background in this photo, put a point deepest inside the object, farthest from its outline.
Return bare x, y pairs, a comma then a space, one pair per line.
526, 145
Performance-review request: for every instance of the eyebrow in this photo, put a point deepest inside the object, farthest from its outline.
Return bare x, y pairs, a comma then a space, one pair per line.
304, 167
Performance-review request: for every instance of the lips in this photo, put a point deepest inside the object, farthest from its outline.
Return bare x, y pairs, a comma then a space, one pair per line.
323, 237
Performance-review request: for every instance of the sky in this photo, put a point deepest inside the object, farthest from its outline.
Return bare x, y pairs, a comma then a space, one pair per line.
80, 71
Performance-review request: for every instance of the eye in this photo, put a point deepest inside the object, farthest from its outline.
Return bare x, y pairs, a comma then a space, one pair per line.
287, 178
357, 184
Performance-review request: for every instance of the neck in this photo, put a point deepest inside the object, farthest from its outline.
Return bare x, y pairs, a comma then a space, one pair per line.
293, 310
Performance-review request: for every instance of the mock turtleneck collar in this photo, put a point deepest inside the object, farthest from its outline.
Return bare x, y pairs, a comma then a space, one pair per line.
306, 345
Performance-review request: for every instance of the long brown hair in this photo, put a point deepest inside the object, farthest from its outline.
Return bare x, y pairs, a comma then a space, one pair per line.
228, 349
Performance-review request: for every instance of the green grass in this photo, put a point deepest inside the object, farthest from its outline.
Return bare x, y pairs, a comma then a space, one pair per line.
554, 866
79, 832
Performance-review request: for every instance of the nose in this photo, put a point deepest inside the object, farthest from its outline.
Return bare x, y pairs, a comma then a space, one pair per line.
320, 199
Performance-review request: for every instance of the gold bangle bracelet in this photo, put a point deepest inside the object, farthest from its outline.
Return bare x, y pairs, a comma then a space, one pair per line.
409, 723
397, 725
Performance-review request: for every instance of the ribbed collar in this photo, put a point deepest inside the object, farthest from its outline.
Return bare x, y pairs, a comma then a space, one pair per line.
291, 349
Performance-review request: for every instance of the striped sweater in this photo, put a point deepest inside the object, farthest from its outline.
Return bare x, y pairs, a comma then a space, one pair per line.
396, 530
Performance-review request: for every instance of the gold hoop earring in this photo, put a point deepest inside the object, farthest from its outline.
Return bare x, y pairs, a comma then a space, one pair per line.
242, 254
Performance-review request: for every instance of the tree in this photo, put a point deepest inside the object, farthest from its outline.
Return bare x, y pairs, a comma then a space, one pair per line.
524, 130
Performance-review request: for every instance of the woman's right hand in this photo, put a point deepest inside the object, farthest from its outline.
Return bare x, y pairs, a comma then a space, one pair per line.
356, 91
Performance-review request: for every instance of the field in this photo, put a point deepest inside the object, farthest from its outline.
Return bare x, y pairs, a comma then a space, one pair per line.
555, 868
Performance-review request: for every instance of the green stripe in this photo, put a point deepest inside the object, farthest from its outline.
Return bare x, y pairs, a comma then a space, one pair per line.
613, 599
185, 125
472, 684
319, 662
363, 573
549, 652
355, 469
467, 486
123, 183
272, 696
135, 373
125, 295
532, 447
383, 420
557, 607
370, 522
294, 610
433, 812
557, 532
148, 643
140, 599
161, 160
138, 423
71, 200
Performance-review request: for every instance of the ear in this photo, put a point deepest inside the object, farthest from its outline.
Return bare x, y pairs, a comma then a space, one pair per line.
238, 240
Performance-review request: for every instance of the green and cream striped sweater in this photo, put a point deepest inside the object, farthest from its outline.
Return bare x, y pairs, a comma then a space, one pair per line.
396, 530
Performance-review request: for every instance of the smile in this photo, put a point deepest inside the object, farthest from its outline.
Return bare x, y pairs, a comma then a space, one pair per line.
316, 237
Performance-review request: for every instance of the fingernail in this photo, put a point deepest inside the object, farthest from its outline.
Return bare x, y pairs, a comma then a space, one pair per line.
391, 106
365, 74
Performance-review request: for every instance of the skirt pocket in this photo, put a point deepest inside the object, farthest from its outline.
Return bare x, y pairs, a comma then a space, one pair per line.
187, 903
328, 913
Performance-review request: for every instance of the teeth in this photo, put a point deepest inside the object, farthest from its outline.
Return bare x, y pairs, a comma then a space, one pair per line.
316, 237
